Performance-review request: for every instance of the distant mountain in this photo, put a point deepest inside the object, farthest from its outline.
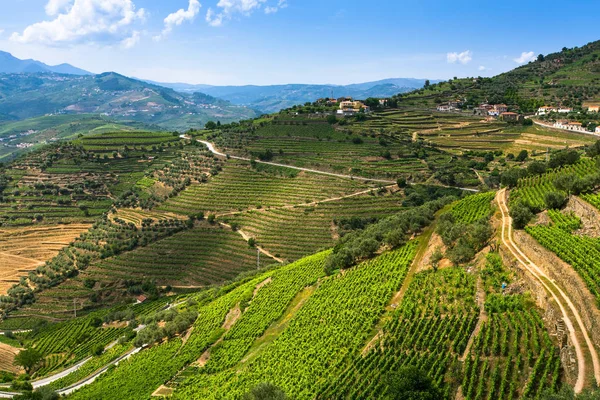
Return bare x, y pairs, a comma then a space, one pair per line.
12, 65
268, 99
28, 95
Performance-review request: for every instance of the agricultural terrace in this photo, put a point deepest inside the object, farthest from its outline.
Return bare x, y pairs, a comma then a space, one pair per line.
109, 142
239, 187
532, 190
24, 249
308, 353
429, 330
202, 256
581, 252
473, 208
105, 239
139, 217
293, 232
267, 293
512, 356
7, 357
323, 147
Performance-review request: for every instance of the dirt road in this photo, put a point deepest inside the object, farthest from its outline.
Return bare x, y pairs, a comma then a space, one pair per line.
585, 352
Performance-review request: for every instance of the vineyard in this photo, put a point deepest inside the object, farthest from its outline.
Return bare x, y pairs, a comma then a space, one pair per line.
429, 330
532, 190
512, 356
313, 227
201, 256
473, 208
581, 252
238, 187
303, 358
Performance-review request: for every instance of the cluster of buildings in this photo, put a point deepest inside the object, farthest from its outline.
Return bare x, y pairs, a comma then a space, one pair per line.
453, 105
592, 108
348, 108
549, 109
573, 126
490, 110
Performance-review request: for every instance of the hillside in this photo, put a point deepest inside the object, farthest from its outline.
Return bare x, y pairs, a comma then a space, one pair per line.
270, 99
568, 78
12, 65
296, 254
25, 96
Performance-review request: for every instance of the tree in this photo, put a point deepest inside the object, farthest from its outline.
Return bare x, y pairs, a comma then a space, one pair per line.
541, 58
401, 182
523, 155
265, 391
427, 84
332, 119
565, 183
436, 257
28, 359
521, 215
410, 383
554, 200
210, 125
537, 168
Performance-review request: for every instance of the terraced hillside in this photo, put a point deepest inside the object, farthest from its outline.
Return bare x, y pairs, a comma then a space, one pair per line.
239, 187
24, 249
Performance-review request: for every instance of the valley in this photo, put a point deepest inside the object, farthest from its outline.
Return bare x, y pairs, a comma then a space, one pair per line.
331, 250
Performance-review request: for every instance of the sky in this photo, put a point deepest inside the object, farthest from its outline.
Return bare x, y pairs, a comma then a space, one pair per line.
262, 42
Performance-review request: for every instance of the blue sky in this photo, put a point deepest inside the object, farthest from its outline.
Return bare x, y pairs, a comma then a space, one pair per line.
292, 41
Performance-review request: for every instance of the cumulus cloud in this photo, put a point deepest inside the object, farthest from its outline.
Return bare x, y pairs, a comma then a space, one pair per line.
55, 7
131, 41
464, 58
482, 68
525, 57
76, 21
179, 17
273, 9
229, 8
214, 19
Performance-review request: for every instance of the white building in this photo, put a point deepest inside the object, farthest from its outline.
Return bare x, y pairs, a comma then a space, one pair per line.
598, 129
445, 107
564, 110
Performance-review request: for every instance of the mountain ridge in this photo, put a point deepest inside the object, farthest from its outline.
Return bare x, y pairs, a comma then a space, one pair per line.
10, 64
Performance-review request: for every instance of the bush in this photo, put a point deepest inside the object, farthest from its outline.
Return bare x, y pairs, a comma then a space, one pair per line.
555, 200
521, 215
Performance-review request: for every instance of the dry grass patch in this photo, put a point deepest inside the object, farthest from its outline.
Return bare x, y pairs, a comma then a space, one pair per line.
24, 249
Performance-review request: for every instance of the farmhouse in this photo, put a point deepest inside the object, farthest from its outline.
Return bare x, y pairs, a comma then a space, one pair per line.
571, 126
593, 108
546, 109
349, 108
509, 117
564, 110
141, 299
445, 107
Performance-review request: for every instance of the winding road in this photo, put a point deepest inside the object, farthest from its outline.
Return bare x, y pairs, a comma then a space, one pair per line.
566, 305
211, 147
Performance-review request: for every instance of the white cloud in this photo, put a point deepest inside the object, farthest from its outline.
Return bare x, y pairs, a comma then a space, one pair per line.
213, 18
464, 58
179, 17
525, 57
281, 4
1, 31
482, 68
55, 7
77, 21
228, 8
131, 41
